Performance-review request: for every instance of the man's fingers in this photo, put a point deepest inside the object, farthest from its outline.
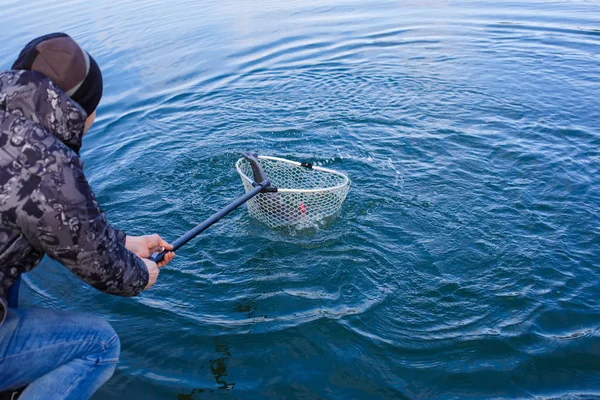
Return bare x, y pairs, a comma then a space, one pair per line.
167, 259
156, 240
157, 249
164, 243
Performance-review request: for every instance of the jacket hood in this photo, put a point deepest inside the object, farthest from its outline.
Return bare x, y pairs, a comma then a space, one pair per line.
33, 96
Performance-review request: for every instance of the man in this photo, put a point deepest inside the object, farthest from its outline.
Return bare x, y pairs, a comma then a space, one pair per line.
47, 102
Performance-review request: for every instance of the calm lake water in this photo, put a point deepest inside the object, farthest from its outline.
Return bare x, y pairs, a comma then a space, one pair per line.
465, 260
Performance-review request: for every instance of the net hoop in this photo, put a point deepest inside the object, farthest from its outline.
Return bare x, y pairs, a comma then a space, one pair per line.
297, 164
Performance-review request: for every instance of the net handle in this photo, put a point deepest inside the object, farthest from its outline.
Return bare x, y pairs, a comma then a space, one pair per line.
261, 185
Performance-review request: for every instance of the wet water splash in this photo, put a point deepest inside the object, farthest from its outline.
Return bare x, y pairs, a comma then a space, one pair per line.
464, 260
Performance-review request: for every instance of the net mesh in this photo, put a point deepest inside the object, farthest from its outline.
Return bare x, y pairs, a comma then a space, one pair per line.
315, 194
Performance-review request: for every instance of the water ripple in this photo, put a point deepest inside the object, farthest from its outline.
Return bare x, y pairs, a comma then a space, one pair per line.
463, 262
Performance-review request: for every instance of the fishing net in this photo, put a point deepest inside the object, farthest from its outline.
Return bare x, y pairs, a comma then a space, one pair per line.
305, 195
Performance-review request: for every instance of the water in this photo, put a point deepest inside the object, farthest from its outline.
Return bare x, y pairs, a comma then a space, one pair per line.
464, 263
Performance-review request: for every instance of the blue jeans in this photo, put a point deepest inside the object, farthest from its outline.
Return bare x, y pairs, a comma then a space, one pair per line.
56, 354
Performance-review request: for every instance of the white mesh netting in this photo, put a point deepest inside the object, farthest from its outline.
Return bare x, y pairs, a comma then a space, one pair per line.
305, 196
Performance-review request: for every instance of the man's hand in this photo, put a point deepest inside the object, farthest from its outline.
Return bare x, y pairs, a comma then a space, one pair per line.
144, 246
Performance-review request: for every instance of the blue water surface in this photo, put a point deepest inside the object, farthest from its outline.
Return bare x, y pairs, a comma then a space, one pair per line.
464, 262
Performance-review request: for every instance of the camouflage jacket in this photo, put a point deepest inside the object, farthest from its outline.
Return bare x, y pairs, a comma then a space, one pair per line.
46, 204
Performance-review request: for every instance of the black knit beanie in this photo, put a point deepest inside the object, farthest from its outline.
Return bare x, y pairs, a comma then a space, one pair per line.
60, 58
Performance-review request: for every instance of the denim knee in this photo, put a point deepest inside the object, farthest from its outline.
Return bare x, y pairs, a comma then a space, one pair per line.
111, 345
107, 346
112, 350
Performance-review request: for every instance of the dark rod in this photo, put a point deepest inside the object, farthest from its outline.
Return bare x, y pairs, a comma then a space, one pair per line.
157, 257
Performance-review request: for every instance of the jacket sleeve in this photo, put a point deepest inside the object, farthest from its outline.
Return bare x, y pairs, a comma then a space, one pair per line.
60, 216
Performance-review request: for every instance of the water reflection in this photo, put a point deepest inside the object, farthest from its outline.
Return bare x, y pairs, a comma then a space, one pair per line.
218, 368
